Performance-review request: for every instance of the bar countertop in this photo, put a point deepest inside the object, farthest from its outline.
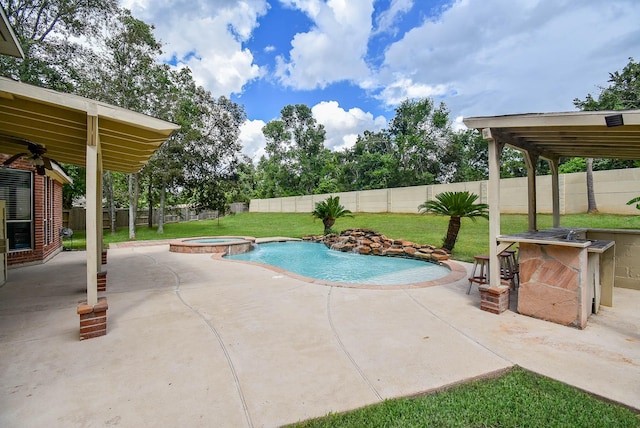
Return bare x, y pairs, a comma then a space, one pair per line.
558, 236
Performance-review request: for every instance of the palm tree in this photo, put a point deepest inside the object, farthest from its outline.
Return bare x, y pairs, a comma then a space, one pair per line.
456, 205
328, 211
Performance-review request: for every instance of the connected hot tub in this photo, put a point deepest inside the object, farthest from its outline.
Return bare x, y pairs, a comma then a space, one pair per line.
226, 245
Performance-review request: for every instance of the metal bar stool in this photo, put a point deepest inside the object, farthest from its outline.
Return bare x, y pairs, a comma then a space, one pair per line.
480, 271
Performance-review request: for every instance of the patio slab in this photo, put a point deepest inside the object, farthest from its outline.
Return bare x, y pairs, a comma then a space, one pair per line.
194, 341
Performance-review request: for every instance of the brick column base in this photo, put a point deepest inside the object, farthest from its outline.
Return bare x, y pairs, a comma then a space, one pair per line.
102, 281
93, 319
494, 299
104, 257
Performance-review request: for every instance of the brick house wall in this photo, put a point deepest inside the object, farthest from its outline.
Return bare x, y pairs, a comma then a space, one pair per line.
42, 250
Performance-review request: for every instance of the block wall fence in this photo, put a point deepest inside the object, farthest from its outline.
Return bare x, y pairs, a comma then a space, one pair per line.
612, 191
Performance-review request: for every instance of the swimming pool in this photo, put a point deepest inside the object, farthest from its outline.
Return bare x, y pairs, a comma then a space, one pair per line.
316, 261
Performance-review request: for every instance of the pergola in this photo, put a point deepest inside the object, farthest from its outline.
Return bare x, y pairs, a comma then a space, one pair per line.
599, 134
82, 132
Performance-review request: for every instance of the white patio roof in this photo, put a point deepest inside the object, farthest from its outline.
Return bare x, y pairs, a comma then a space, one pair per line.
567, 134
58, 121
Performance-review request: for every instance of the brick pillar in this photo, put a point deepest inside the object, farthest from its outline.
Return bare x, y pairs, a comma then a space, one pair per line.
104, 257
102, 281
494, 299
93, 319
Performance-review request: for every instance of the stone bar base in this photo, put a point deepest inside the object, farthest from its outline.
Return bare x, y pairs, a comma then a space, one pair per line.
553, 285
93, 319
104, 257
102, 281
494, 299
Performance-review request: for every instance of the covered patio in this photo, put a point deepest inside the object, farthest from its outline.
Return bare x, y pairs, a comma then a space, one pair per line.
551, 136
88, 133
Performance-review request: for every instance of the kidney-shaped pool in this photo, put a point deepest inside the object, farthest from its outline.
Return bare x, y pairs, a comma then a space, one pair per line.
313, 260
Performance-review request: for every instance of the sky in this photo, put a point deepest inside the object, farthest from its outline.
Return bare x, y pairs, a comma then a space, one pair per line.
353, 61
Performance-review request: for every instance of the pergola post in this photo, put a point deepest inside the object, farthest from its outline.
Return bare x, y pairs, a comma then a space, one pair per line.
495, 150
555, 191
531, 159
93, 313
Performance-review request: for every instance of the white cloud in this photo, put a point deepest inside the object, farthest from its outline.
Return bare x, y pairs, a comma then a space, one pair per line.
344, 126
207, 37
500, 56
252, 139
387, 19
334, 50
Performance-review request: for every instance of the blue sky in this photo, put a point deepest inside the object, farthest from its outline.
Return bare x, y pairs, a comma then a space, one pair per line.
353, 61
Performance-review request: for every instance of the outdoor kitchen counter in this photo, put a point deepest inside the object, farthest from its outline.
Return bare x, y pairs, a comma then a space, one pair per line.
563, 280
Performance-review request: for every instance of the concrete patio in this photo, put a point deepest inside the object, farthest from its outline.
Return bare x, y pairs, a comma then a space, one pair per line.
194, 341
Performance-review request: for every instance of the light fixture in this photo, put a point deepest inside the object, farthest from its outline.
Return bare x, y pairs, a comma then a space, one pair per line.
614, 120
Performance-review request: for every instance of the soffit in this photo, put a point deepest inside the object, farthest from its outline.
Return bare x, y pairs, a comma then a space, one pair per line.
566, 134
58, 121
8, 42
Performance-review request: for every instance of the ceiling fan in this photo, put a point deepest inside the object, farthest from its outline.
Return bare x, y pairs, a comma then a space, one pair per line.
35, 155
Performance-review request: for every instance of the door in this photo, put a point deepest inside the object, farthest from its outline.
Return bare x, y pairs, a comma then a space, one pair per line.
4, 243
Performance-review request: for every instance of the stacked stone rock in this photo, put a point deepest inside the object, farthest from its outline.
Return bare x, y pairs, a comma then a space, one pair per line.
366, 241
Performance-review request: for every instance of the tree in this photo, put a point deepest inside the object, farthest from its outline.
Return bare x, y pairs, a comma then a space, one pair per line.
472, 164
295, 158
77, 187
125, 73
420, 133
328, 211
456, 205
623, 93
50, 34
212, 150
370, 164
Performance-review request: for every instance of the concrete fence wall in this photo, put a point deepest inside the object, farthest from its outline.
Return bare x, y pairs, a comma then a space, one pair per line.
612, 191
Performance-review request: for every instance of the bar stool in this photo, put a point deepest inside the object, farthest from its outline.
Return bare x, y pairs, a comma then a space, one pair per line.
507, 269
480, 271
515, 266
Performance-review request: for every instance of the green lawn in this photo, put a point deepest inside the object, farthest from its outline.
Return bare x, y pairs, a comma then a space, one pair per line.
517, 399
424, 229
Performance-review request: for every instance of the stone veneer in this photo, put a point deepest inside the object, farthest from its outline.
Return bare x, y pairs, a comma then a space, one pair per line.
366, 241
553, 283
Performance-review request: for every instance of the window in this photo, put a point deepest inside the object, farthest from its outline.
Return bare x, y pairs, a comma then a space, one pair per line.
47, 210
16, 187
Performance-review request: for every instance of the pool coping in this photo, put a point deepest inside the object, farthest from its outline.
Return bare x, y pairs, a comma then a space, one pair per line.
457, 272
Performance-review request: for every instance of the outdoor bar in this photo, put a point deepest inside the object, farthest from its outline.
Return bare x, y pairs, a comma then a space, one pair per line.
564, 274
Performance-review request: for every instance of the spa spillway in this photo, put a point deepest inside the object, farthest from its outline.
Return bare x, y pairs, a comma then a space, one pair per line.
227, 245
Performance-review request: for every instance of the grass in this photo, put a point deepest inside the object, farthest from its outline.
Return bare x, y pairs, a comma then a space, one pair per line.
424, 229
517, 399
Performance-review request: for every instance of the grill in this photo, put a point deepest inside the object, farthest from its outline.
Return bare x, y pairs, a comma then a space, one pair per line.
66, 233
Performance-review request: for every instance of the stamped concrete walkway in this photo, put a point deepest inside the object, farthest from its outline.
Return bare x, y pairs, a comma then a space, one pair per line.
199, 342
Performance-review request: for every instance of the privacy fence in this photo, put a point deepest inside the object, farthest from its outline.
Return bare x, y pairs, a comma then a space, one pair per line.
75, 218
612, 191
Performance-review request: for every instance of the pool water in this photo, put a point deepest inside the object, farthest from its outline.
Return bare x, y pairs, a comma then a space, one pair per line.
317, 261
